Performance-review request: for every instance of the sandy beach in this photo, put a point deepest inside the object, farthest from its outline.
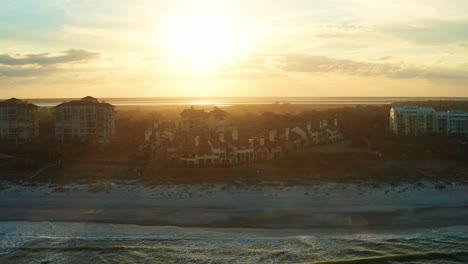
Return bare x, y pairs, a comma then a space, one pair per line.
343, 206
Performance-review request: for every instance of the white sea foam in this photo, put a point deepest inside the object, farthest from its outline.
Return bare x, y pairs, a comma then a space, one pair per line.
77, 242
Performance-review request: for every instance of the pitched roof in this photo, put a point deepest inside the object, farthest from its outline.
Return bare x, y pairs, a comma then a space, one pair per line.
14, 102
86, 101
191, 112
295, 137
90, 98
242, 142
188, 147
217, 143
194, 113
218, 112
267, 143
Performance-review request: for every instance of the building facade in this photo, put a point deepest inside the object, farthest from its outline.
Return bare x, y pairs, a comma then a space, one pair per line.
194, 120
452, 123
84, 120
19, 122
415, 121
412, 120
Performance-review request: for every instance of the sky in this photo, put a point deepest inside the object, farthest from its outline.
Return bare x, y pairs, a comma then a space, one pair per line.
206, 48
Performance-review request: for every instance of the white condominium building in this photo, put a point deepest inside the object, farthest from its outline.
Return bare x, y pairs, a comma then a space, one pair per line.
84, 120
19, 121
414, 120
452, 123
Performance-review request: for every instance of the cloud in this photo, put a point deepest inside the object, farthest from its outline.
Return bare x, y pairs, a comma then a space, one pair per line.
304, 63
42, 64
7, 71
431, 32
384, 58
307, 63
311, 63
342, 27
431, 73
258, 66
46, 59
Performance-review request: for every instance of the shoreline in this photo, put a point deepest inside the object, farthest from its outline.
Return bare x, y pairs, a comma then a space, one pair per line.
328, 206
131, 231
342, 222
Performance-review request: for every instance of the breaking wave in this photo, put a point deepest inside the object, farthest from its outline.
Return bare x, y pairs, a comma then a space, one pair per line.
23, 242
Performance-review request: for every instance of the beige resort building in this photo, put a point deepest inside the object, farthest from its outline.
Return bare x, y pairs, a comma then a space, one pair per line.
193, 120
84, 120
18, 121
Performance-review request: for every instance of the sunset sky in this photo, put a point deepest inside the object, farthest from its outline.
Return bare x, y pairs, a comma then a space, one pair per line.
117, 48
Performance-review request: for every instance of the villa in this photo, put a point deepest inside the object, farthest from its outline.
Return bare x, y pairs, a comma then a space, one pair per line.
207, 138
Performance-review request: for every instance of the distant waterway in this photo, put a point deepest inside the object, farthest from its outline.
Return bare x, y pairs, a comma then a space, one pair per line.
227, 101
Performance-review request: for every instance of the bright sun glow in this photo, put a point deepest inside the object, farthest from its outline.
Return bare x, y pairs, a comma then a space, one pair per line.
203, 37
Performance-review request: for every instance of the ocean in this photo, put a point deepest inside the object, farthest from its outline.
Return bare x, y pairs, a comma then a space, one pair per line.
46, 242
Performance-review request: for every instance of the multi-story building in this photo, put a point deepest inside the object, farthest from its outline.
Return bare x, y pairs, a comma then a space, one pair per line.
452, 123
19, 121
84, 120
414, 121
194, 120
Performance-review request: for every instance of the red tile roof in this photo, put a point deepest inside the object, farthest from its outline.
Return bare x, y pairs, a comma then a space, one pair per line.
203, 148
218, 143
242, 142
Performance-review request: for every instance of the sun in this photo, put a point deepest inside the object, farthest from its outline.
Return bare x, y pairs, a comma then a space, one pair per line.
203, 37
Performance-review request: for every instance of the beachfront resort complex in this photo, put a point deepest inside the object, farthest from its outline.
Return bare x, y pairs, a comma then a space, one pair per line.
201, 136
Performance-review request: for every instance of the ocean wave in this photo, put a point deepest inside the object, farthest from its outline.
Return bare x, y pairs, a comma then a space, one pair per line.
79, 242
458, 257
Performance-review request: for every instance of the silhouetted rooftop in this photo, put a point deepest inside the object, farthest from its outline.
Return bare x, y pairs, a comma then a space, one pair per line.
15, 102
86, 101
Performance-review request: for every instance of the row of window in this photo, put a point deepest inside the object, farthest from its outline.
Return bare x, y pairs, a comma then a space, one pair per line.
91, 110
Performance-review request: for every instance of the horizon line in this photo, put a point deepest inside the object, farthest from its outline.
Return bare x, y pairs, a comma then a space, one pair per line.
243, 97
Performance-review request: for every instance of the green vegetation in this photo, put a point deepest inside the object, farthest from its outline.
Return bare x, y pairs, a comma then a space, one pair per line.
370, 153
